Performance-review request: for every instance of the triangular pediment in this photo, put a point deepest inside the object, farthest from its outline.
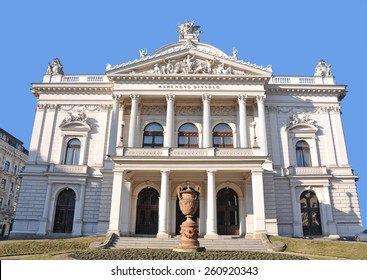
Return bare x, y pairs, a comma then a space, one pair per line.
188, 58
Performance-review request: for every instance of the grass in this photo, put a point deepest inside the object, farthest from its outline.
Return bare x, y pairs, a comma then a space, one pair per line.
78, 248
327, 248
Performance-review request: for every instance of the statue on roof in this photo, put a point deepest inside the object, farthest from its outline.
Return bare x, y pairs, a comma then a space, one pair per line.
189, 28
323, 69
143, 53
55, 68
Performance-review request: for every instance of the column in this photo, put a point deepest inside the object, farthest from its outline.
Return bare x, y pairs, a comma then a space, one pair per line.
118, 179
113, 129
262, 125
243, 120
133, 129
163, 206
297, 225
275, 136
78, 224
170, 121
37, 133
333, 233
42, 230
258, 201
206, 121
125, 208
211, 208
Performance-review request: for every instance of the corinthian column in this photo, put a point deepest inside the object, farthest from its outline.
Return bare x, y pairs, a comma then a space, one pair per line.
243, 120
163, 206
206, 121
133, 120
262, 126
170, 121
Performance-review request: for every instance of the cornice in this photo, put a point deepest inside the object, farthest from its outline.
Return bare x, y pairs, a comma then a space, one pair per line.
62, 88
188, 77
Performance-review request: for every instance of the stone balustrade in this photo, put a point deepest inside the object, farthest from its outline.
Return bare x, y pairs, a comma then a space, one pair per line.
183, 152
84, 79
302, 80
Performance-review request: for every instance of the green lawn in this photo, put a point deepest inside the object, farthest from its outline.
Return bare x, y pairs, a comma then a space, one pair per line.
45, 249
329, 248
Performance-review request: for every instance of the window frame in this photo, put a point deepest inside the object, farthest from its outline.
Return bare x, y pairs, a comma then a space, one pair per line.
189, 135
222, 135
75, 158
154, 134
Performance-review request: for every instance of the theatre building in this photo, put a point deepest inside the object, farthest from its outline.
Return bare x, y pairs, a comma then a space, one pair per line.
267, 153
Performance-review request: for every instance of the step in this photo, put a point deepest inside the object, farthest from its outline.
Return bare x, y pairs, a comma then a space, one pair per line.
223, 244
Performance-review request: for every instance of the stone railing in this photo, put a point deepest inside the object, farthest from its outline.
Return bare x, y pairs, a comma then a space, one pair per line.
74, 169
302, 80
84, 79
183, 152
301, 171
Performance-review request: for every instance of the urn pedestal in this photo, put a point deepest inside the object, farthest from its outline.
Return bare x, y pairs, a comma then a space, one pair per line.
188, 201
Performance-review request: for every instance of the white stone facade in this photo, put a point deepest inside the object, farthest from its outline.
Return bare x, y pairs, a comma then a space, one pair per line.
258, 146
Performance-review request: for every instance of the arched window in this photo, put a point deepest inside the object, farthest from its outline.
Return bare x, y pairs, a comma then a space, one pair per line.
6, 166
222, 136
303, 154
153, 136
188, 136
72, 152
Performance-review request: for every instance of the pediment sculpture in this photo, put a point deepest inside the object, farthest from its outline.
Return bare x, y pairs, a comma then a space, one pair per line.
323, 69
189, 28
79, 117
301, 118
190, 65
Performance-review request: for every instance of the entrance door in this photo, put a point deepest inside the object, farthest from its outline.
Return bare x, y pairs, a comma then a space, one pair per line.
227, 212
147, 212
64, 215
180, 218
310, 211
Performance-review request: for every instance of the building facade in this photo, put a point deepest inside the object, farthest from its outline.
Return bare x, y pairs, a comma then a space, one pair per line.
13, 157
266, 152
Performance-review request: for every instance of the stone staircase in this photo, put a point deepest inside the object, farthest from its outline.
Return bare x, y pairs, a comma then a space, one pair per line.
226, 243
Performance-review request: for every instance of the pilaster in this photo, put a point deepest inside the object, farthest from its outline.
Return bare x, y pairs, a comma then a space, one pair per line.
206, 121
243, 120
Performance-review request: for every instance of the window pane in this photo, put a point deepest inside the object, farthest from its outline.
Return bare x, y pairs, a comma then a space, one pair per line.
188, 127
148, 139
228, 140
69, 154
158, 140
153, 127
299, 158
182, 140
76, 156
216, 140
222, 127
193, 140
306, 158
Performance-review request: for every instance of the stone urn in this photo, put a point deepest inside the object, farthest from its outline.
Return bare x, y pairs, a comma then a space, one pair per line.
188, 201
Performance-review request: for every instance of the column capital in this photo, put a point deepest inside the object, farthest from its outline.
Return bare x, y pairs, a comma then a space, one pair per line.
135, 96
242, 97
206, 97
260, 98
116, 96
170, 97
164, 171
211, 171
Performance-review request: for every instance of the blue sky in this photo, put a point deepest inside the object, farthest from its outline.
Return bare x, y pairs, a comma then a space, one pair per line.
86, 35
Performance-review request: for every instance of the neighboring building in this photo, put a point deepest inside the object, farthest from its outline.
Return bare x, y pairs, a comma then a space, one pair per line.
13, 157
109, 151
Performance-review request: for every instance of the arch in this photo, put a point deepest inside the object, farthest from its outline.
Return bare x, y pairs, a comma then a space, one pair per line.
153, 135
223, 136
64, 213
72, 154
147, 209
303, 154
310, 213
228, 218
188, 136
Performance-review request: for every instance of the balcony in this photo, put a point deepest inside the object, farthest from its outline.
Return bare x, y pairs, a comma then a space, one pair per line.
187, 153
307, 171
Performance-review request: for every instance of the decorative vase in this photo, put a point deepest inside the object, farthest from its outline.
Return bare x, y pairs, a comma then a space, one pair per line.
188, 201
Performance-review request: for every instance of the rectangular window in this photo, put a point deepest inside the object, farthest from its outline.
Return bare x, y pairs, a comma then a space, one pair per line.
3, 183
